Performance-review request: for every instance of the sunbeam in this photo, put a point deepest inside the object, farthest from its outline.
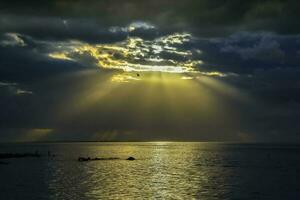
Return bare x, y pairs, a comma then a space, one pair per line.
152, 101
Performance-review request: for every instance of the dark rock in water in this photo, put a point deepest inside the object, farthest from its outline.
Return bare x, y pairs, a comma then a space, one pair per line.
110, 158
83, 159
130, 158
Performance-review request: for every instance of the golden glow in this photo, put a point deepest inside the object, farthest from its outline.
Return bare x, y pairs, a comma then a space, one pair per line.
148, 99
134, 54
151, 83
61, 56
177, 38
123, 78
186, 78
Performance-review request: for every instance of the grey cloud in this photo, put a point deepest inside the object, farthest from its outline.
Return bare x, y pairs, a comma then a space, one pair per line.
245, 52
11, 39
202, 17
55, 28
264, 47
84, 29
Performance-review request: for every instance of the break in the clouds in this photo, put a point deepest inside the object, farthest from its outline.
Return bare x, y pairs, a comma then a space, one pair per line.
137, 70
164, 54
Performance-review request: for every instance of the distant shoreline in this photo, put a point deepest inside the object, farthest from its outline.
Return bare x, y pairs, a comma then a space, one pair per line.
152, 141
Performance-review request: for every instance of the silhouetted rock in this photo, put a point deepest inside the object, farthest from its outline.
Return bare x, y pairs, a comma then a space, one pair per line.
130, 158
83, 159
110, 158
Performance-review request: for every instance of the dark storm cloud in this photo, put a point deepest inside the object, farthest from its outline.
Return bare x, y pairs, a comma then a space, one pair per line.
55, 28
247, 52
86, 19
24, 59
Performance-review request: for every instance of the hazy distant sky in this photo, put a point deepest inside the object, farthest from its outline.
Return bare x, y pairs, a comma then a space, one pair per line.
207, 70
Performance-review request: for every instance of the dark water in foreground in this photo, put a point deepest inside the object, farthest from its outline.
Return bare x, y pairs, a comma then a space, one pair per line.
161, 171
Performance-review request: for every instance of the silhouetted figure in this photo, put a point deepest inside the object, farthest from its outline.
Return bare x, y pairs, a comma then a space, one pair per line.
137, 74
130, 158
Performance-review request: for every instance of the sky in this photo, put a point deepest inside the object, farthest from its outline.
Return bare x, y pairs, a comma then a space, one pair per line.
135, 70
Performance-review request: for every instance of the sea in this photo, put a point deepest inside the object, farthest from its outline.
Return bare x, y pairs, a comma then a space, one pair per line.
161, 170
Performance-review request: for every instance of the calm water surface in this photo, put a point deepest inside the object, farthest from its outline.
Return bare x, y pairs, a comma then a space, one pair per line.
172, 170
